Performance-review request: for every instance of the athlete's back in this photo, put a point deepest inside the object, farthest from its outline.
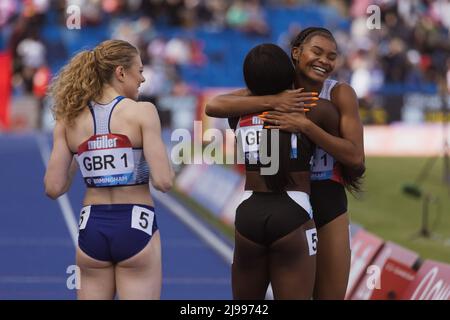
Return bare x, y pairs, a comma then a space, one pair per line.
138, 121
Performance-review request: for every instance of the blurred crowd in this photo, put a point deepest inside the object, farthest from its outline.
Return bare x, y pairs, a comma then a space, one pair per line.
409, 46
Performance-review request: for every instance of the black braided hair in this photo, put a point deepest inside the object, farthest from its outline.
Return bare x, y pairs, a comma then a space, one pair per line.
308, 33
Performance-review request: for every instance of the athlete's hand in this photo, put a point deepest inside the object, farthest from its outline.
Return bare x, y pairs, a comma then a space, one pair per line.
291, 122
293, 100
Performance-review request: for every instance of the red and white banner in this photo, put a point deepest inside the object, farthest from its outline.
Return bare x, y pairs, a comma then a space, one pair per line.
388, 275
431, 283
365, 247
5, 88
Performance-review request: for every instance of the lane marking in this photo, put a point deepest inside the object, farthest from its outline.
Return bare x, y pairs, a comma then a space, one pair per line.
63, 200
217, 244
25, 279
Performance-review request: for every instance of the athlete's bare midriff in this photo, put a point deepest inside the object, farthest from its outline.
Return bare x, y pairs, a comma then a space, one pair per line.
139, 194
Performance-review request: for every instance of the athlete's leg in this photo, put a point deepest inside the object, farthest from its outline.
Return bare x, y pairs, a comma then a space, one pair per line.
333, 259
96, 278
249, 272
140, 276
292, 265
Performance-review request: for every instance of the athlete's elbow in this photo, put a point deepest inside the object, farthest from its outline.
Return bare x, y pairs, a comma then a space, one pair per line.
163, 187
53, 187
209, 110
53, 191
163, 184
213, 110
357, 163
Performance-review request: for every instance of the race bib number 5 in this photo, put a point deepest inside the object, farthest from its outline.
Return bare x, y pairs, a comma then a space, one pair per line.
311, 237
142, 219
84, 217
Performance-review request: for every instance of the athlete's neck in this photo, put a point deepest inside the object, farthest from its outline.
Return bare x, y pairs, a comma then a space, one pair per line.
308, 84
109, 94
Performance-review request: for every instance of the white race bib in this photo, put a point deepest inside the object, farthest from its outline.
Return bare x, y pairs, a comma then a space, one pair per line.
311, 237
142, 219
106, 160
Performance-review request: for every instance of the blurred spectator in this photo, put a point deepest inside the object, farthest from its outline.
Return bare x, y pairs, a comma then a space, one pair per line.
448, 75
91, 12
7, 9
248, 16
286, 38
177, 51
32, 54
361, 77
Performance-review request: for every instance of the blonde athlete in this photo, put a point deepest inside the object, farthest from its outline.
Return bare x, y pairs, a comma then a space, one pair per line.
117, 143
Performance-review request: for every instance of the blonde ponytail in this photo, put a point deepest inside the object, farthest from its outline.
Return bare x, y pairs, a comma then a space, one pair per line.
83, 78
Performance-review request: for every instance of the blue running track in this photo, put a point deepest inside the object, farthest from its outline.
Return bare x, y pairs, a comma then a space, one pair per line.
36, 247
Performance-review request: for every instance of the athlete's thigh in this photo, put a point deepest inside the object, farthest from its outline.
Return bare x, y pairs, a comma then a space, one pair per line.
333, 259
293, 263
250, 276
139, 277
96, 277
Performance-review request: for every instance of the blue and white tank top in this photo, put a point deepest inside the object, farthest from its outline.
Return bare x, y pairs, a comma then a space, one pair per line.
108, 159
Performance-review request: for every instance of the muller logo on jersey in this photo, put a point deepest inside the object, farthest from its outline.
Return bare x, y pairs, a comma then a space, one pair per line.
102, 142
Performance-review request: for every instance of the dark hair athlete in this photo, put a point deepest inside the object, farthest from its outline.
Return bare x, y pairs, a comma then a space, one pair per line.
314, 53
275, 236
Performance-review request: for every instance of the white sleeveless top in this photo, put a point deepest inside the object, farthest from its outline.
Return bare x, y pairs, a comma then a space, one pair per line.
107, 159
323, 162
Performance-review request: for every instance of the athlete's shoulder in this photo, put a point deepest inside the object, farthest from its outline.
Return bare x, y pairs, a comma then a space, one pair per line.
345, 98
147, 114
146, 105
138, 106
326, 115
342, 89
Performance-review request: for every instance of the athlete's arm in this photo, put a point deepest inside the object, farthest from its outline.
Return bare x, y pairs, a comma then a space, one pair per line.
154, 150
326, 116
61, 166
349, 149
240, 102
351, 128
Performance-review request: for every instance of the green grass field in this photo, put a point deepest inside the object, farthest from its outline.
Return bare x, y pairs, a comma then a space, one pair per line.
386, 211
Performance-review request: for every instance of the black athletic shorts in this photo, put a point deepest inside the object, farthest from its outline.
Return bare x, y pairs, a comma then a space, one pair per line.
328, 200
264, 217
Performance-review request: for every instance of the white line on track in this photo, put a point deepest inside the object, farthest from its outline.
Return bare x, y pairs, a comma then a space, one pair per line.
63, 200
204, 233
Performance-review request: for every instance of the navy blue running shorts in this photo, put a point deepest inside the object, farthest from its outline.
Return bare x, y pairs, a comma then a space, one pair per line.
115, 232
